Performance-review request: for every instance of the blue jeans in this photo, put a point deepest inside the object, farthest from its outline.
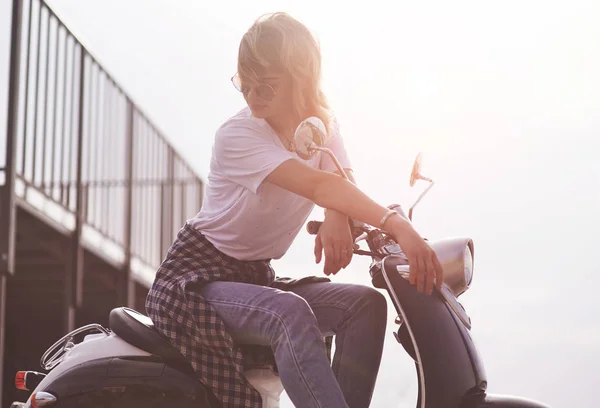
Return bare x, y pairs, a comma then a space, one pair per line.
294, 323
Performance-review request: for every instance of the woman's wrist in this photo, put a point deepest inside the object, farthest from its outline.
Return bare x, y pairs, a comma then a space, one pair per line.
394, 223
329, 213
384, 219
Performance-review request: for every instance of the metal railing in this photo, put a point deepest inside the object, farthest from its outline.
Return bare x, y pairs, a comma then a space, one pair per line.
76, 141
81, 142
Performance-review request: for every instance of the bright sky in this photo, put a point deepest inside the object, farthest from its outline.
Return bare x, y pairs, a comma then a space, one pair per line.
503, 98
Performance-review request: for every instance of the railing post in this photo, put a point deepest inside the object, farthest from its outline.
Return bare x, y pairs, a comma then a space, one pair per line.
7, 190
74, 271
171, 212
200, 194
161, 214
126, 287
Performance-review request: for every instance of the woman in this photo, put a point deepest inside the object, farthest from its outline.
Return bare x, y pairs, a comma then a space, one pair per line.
216, 291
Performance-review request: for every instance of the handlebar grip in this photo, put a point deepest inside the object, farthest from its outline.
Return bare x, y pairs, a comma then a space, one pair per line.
313, 227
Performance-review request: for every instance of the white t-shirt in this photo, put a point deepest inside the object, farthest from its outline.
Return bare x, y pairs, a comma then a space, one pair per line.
242, 215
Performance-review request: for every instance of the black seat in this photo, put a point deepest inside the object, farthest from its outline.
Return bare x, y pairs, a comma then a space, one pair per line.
139, 331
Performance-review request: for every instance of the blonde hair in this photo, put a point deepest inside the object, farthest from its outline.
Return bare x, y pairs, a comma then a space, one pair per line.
280, 43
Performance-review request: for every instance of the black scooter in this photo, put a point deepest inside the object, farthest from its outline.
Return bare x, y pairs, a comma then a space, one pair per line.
130, 364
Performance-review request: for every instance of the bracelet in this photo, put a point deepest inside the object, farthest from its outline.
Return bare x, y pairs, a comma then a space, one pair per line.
385, 218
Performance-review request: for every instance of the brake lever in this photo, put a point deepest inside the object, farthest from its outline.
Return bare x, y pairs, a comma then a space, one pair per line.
361, 237
312, 227
363, 252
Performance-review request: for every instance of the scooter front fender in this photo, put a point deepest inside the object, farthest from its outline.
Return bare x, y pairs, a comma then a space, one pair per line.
450, 370
448, 363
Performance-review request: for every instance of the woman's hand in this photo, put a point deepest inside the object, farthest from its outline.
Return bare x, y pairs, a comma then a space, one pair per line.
425, 268
335, 239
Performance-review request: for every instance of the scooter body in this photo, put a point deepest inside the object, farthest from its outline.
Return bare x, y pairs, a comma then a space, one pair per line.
132, 364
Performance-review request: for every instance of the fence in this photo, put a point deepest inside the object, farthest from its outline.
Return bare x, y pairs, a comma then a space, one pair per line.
79, 143
83, 156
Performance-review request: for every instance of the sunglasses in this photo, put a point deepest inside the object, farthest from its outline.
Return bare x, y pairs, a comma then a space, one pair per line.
264, 91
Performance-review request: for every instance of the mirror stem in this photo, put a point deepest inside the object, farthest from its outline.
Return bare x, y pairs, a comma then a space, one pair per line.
314, 146
410, 211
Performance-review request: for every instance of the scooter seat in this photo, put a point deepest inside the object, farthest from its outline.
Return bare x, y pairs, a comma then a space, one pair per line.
139, 331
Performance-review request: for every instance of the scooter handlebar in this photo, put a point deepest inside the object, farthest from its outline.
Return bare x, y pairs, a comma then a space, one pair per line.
313, 227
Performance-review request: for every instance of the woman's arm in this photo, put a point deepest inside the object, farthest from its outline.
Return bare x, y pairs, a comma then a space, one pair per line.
334, 214
327, 190
331, 191
334, 238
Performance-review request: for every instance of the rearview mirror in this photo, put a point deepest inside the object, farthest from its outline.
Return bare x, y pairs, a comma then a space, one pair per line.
415, 174
309, 135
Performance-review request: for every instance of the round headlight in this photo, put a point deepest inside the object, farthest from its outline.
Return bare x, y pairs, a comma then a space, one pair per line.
468, 262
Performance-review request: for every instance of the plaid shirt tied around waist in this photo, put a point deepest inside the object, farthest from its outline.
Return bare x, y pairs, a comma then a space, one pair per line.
193, 326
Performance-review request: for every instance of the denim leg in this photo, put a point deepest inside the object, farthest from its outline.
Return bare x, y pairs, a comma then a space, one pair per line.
256, 314
357, 315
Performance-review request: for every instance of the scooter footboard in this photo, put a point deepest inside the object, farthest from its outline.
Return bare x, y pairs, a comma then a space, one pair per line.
448, 363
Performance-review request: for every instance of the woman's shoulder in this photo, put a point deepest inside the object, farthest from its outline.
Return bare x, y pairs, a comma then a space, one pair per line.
242, 122
241, 131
